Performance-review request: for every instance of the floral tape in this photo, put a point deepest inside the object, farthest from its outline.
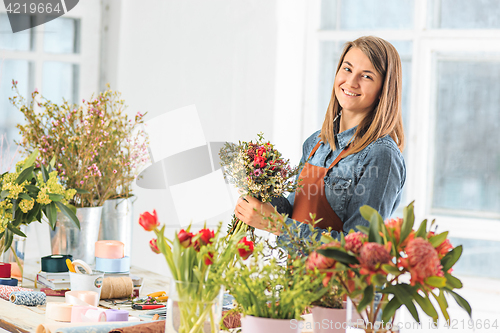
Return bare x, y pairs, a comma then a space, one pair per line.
29, 298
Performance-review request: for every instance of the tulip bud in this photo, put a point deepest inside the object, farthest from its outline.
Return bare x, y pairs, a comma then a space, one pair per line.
154, 246
245, 248
185, 238
149, 221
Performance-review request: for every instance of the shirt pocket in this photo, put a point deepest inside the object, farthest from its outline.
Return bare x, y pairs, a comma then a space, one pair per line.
337, 192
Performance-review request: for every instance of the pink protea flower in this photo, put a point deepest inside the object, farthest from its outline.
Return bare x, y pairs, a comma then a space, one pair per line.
422, 261
372, 256
442, 248
321, 262
354, 241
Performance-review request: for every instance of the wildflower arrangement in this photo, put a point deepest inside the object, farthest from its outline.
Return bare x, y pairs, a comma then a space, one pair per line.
259, 170
198, 262
96, 147
26, 194
378, 260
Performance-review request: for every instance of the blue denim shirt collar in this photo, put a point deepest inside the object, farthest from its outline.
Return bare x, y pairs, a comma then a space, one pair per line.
344, 137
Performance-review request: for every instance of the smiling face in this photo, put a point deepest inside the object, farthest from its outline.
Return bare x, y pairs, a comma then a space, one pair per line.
357, 83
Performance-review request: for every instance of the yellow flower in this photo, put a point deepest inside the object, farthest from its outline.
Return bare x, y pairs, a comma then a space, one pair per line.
43, 197
26, 205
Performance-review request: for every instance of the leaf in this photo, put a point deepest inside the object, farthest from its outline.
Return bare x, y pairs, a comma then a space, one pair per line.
373, 234
437, 240
55, 197
68, 212
363, 229
33, 213
4, 194
404, 294
452, 282
32, 188
443, 304
435, 281
426, 305
390, 309
52, 163
390, 269
367, 212
408, 220
25, 196
461, 302
45, 174
368, 295
51, 213
25, 174
422, 230
31, 159
8, 237
451, 258
81, 191
338, 255
15, 230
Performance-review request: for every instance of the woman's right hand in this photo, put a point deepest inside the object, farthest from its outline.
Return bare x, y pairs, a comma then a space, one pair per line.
257, 214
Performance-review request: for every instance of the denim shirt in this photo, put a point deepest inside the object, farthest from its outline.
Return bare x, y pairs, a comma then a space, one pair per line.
374, 176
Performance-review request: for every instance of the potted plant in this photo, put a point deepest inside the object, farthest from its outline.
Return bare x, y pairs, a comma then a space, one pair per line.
91, 152
378, 260
197, 262
26, 194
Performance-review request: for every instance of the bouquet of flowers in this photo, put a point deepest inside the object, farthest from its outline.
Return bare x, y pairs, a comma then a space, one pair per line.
378, 260
198, 263
95, 145
259, 170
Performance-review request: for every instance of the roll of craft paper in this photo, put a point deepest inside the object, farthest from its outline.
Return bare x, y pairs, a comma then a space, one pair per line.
29, 298
4, 270
9, 282
5, 291
94, 316
58, 311
109, 249
81, 267
77, 311
101, 327
82, 297
55, 263
116, 287
116, 315
121, 265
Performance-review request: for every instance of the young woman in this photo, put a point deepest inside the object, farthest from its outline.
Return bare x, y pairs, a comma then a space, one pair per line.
355, 159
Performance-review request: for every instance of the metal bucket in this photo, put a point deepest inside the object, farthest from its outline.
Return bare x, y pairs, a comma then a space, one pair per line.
116, 222
67, 239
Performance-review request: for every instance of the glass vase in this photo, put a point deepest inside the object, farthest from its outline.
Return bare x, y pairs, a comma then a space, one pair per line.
194, 308
367, 321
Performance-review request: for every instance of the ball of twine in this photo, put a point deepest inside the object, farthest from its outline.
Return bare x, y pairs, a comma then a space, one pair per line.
116, 287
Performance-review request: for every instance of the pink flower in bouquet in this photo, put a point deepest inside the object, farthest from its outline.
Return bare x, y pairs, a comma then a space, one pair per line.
422, 261
372, 256
209, 258
154, 246
185, 238
394, 229
321, 262
245, 248
442, 248
354, 241
149, 221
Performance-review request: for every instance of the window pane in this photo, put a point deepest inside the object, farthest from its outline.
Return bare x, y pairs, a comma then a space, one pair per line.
479, 258
366, 14
60, 80
467, 158
62, 36
20, 41
465, 14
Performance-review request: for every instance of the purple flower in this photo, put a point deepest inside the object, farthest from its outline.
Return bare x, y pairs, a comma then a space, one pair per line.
257, 173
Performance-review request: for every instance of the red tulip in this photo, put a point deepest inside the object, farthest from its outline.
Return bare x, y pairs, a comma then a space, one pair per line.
154, 246
185, 238
245, 248
149, 221
209, 258
206, 236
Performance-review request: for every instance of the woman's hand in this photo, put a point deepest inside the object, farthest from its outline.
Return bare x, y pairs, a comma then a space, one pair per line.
254, 212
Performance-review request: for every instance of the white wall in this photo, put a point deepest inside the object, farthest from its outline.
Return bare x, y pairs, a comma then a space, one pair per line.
219, 55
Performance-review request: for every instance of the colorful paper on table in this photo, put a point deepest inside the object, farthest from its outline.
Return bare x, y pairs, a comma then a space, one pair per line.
84, 327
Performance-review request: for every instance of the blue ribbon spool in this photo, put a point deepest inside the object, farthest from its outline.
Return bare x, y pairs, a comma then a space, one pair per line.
9, 282
105, 265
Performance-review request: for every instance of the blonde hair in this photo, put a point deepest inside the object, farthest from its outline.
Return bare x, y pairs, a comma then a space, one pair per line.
386, 118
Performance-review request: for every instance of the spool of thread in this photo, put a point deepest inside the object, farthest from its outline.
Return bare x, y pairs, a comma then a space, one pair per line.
106, 265
82, 297
94, 316
78, 311
81, 267
58, 311
9, 282
109, 249
5, 291
116, 315
55, 263
29, 298
116, 287
5, 270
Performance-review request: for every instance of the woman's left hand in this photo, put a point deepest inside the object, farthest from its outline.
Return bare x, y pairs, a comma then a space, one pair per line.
254, 212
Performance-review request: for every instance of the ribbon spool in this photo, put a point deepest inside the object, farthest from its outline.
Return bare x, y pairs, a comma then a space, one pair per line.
82, 298
106, 265
116, 287
58, 311
9, 282
5, 291
29, 298
116, 315
109, 249
94, 315
81, 267
55, 263
78, 311
5, 270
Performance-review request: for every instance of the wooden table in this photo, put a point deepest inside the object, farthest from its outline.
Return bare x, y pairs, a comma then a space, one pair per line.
18, 318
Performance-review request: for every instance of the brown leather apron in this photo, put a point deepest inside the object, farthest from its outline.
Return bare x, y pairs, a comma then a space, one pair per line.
311, 198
